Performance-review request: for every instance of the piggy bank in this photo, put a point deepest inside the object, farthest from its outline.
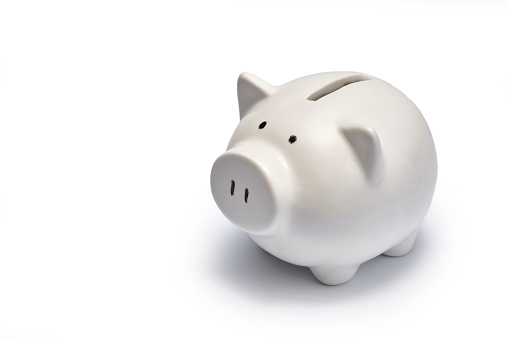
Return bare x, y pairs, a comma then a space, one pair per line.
327, 171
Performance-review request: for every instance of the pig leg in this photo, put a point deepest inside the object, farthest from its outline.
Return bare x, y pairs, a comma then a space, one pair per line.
334, 275
403, 247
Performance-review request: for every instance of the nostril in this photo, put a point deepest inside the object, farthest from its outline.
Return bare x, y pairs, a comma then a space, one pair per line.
232, 187
246, 194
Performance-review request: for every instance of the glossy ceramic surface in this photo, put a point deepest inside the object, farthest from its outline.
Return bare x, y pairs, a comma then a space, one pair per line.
327, 171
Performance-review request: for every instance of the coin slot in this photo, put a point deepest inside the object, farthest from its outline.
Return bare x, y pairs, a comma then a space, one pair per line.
336, 85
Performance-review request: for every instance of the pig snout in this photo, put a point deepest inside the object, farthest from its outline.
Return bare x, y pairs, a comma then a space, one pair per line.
244, 186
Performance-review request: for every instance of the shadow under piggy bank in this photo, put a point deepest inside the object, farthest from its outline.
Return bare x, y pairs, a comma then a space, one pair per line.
245, 266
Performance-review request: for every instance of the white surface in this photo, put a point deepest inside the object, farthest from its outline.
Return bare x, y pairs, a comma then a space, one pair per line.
112, 113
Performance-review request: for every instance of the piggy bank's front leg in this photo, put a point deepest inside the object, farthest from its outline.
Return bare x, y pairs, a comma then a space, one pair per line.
334, 275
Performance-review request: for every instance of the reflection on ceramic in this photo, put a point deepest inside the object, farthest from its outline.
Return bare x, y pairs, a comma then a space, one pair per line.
327, 171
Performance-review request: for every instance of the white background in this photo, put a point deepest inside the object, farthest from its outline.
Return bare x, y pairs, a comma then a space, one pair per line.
112, 113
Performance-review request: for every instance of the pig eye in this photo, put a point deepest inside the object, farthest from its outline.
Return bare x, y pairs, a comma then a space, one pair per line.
292, 139
262, 125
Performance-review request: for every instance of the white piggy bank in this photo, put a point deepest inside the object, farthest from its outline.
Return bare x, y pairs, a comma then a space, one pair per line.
327, 171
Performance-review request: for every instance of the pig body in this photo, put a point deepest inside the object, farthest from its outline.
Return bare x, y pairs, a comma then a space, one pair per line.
327, 171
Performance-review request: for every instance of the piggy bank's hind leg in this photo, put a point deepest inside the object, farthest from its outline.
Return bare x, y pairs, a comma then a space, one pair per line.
334, 275
341, 274
404, 247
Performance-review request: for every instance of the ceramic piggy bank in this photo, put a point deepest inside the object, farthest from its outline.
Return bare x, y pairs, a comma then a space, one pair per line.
327, 171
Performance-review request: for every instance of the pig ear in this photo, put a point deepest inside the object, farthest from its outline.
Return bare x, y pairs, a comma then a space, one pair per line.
251, 89
365, 142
